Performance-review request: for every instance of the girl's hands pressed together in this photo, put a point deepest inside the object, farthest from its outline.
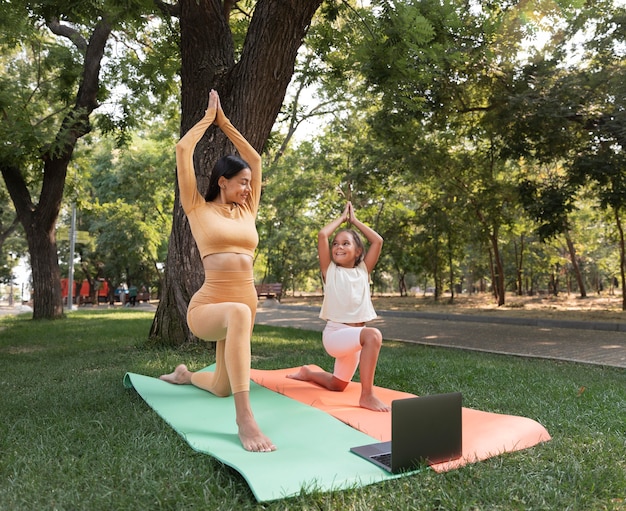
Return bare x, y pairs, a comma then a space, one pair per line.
347, 211
352, 216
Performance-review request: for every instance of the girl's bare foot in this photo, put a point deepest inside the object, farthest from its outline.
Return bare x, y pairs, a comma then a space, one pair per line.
303, 374
180, 376
371, 402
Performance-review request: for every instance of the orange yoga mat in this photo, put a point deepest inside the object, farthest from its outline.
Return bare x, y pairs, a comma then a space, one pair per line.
485, 434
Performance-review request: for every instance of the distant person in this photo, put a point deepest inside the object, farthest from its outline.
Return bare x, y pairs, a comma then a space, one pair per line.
121, 290
132, 295
224, 308
347, 306
110, 292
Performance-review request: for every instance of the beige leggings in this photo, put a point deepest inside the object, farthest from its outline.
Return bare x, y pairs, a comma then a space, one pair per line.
223, 310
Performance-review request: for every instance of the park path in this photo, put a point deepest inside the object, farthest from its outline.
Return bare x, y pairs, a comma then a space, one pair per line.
588, 342
599, 343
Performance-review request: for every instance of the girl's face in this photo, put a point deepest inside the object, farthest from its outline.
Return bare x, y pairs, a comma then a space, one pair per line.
236, 189
344, 251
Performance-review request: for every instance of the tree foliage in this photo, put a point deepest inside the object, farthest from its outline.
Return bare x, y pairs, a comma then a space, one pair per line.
479, 153
487, 141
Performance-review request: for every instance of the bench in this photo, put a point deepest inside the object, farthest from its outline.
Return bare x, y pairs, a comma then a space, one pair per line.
274, 290
143, 297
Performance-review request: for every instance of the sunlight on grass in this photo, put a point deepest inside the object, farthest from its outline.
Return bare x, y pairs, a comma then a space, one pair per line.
73, 438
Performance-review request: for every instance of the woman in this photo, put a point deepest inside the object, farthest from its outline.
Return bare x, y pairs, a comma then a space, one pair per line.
223, 226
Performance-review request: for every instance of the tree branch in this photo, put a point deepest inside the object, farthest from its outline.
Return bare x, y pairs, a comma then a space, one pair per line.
9, 230
70, 33
74, 126
170, 9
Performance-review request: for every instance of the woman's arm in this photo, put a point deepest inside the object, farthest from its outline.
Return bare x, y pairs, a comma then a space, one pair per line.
323, 247
246, 151
190, 197
374, 239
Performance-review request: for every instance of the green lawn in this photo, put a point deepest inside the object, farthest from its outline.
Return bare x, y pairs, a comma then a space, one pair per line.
72, 438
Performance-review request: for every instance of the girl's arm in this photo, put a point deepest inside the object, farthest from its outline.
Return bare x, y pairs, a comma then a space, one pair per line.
374, 239
323, 247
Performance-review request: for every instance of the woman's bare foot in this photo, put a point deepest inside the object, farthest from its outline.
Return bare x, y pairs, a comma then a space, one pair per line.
250, 435
252, 439
304, 374
371, 402
180, 376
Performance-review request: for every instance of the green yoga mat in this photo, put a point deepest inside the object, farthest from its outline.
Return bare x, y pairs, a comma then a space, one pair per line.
313, 447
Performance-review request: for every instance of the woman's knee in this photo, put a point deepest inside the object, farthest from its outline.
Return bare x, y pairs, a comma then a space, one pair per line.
239, 313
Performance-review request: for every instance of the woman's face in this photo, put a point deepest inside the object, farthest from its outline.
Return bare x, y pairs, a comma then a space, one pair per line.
237, 188
344, 251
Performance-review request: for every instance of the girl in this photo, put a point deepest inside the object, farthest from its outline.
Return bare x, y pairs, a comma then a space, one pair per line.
347, 306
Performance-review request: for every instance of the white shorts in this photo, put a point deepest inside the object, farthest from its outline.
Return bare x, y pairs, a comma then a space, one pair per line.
343, 343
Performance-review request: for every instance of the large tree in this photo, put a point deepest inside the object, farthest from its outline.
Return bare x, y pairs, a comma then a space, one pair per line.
50, 83
38, 217
252, 79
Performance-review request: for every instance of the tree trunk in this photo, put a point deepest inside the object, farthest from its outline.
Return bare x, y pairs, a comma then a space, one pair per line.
622, 256
574, 259
402, 284
494, 287
39, 223
554, 279
451, 267
519, 265
47, 299
436, 269
495, 258
498, 270
251, 92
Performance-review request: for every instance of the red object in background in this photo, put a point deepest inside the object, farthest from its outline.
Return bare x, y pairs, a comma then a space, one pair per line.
65, 285
84, 288
104, 289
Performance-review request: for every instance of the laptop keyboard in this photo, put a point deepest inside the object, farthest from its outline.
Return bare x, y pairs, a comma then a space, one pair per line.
384, 458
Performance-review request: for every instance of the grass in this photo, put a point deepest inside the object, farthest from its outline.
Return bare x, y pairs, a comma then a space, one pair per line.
72, 438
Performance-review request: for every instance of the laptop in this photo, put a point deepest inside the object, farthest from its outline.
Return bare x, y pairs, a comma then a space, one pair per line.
424, 430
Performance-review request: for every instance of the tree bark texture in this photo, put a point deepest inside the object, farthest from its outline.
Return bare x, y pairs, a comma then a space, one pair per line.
622, 255
574, 259
498, 269
251, 91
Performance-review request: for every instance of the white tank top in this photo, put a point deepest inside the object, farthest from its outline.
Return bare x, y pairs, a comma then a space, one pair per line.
347, 296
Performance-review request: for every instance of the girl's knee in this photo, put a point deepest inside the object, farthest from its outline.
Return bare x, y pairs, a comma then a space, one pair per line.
337, 385
371, 337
